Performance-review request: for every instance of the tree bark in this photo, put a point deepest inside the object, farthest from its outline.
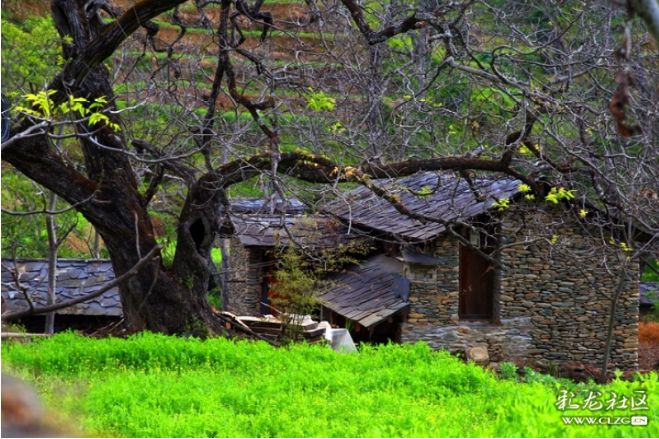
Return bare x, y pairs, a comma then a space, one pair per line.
51, 230
159, 298
156, 298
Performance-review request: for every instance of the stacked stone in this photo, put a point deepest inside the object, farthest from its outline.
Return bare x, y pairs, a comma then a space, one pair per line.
552, 303
245, 279
434, 295
565, 288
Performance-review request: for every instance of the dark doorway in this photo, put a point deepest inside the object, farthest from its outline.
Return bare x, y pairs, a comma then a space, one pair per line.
476, 285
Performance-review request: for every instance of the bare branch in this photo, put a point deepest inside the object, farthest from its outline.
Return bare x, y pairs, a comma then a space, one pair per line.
108, 286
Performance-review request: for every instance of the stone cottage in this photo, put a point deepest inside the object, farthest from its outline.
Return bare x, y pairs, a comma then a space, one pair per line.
527, 280
255, 233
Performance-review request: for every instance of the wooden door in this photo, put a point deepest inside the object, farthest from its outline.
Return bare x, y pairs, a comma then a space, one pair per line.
476, 285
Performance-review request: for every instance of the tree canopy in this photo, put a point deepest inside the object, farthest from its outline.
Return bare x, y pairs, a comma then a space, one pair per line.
151, 114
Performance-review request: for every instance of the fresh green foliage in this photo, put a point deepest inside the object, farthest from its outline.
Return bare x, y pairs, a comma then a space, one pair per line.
301, 274
158, 386
31, 56
508, 371
14, 327
501, 204
320, 101
296, 282
401, 42
40, 106
215, 298
216, 256
651, 271
491, 100
38, 44
557, 194
425, 191
25, 236
168, 251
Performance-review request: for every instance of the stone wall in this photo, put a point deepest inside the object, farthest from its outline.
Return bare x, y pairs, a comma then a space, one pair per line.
559, 278
245, 278
434, 291
434, 305
548, 306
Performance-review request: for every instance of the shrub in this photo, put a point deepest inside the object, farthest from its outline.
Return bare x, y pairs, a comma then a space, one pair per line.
508, 371
648, 332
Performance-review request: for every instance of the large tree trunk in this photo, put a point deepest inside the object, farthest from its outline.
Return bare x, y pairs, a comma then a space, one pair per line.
169, 300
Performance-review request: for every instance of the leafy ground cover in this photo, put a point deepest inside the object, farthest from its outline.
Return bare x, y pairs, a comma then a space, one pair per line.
157, 386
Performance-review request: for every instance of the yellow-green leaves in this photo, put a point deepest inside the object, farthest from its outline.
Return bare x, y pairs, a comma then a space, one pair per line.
400, 42
425, 191
40, 102
557, 194
41, 106
526, 190
320, 101
30, 52
625, 247
337, 128
74, 105
583, 213
501, 204
525, 150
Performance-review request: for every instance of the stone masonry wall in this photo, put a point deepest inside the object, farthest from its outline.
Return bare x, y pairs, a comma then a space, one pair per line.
245, 278
433, 316
565, 288
548, 307
434, 291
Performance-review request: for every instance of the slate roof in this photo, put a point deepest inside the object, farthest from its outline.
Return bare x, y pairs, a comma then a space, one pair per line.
437, 195
75, 277
370, 292
264, 230
291, 206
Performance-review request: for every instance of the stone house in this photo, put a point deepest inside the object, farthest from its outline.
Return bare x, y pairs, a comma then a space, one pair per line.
255, 234
530, 282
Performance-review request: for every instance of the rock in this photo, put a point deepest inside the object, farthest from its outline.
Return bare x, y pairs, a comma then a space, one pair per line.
22, 412
478, 354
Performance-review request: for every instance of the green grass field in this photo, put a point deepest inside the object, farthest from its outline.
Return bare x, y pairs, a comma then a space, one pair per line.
155, 386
